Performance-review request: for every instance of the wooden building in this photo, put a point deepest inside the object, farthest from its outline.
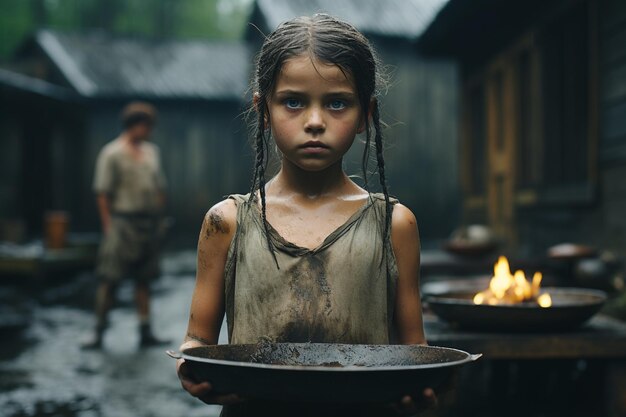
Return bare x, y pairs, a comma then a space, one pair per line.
36, 119
61, 103
543, 118
420, 105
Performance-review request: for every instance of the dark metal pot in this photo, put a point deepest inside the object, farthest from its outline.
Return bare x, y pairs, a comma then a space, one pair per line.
324, 373
570, 308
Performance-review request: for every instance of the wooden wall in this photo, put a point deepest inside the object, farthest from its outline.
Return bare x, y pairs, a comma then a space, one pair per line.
600, 221
588, 204
10, 170
40, 142
612, 110
613, 80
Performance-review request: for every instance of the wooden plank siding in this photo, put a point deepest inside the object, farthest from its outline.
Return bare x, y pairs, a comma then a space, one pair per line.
40, 143
613, 80
570, 61
557, 92
599, 220
612, 109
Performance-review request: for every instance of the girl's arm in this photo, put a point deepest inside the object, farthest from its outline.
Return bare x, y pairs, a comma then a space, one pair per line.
405, 241
406, 246
207, 304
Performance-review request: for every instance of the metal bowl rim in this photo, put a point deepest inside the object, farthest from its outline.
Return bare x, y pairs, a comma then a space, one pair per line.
446, 298
304, 368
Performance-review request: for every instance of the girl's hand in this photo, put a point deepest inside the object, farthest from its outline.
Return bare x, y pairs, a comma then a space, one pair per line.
202, 390
409, 406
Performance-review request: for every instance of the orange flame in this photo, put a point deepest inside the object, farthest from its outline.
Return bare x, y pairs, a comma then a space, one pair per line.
507, 288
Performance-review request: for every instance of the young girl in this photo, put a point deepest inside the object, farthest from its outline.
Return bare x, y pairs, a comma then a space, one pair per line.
309, 256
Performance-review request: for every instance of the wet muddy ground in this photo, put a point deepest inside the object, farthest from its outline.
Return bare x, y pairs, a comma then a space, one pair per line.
43, 371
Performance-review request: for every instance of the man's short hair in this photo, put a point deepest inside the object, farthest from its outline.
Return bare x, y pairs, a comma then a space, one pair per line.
138, 112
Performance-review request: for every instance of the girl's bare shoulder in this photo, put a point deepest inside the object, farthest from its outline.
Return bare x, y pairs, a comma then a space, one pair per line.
220, 220
405, 239
403, 221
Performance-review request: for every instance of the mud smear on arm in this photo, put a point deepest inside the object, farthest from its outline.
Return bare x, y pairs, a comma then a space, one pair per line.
214, 223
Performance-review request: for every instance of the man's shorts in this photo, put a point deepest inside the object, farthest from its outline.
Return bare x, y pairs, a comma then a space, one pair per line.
130, 248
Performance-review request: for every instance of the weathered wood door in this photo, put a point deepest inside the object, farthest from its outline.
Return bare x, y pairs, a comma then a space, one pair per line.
501, 129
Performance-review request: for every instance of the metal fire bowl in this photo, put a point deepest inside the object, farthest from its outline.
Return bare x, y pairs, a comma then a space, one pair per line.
571, 307
324, 373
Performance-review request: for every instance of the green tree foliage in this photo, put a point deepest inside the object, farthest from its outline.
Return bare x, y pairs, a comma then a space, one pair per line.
216, 19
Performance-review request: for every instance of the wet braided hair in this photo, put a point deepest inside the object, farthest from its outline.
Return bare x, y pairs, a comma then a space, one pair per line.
331, 41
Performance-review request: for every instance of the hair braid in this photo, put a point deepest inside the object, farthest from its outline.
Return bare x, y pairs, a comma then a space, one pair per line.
258, 177
378, 140
365, 158
258, 149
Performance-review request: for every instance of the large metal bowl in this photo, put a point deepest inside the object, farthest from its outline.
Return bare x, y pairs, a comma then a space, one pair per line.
324, 373
571, 307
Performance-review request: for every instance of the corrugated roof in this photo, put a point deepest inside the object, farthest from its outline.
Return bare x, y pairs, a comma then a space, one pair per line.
101, 65
394, 18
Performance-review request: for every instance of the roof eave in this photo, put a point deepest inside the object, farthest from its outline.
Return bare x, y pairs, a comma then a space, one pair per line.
36, 86
61, 59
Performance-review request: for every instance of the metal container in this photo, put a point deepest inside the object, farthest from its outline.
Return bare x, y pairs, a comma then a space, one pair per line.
326, 373
571, 307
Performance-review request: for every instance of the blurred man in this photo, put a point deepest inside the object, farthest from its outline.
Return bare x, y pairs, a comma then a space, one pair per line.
129, 185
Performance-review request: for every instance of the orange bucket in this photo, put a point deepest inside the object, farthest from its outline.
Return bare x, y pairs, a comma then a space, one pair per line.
56, 229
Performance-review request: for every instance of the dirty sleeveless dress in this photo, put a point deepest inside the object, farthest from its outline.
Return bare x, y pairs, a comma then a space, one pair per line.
343, 291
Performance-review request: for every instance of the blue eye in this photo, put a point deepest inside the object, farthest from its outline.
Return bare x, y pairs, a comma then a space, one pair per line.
293, 103
337, 105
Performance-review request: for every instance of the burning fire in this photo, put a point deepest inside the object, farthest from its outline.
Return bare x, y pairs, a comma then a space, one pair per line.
507, 288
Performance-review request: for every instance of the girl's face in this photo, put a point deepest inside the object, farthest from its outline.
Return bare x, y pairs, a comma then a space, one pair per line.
314, 113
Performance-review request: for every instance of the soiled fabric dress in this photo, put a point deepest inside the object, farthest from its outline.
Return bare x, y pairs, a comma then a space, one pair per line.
343, 291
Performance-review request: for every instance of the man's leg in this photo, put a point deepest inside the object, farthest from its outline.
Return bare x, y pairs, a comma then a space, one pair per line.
104, 300
142, 299
147, 270
110, 268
